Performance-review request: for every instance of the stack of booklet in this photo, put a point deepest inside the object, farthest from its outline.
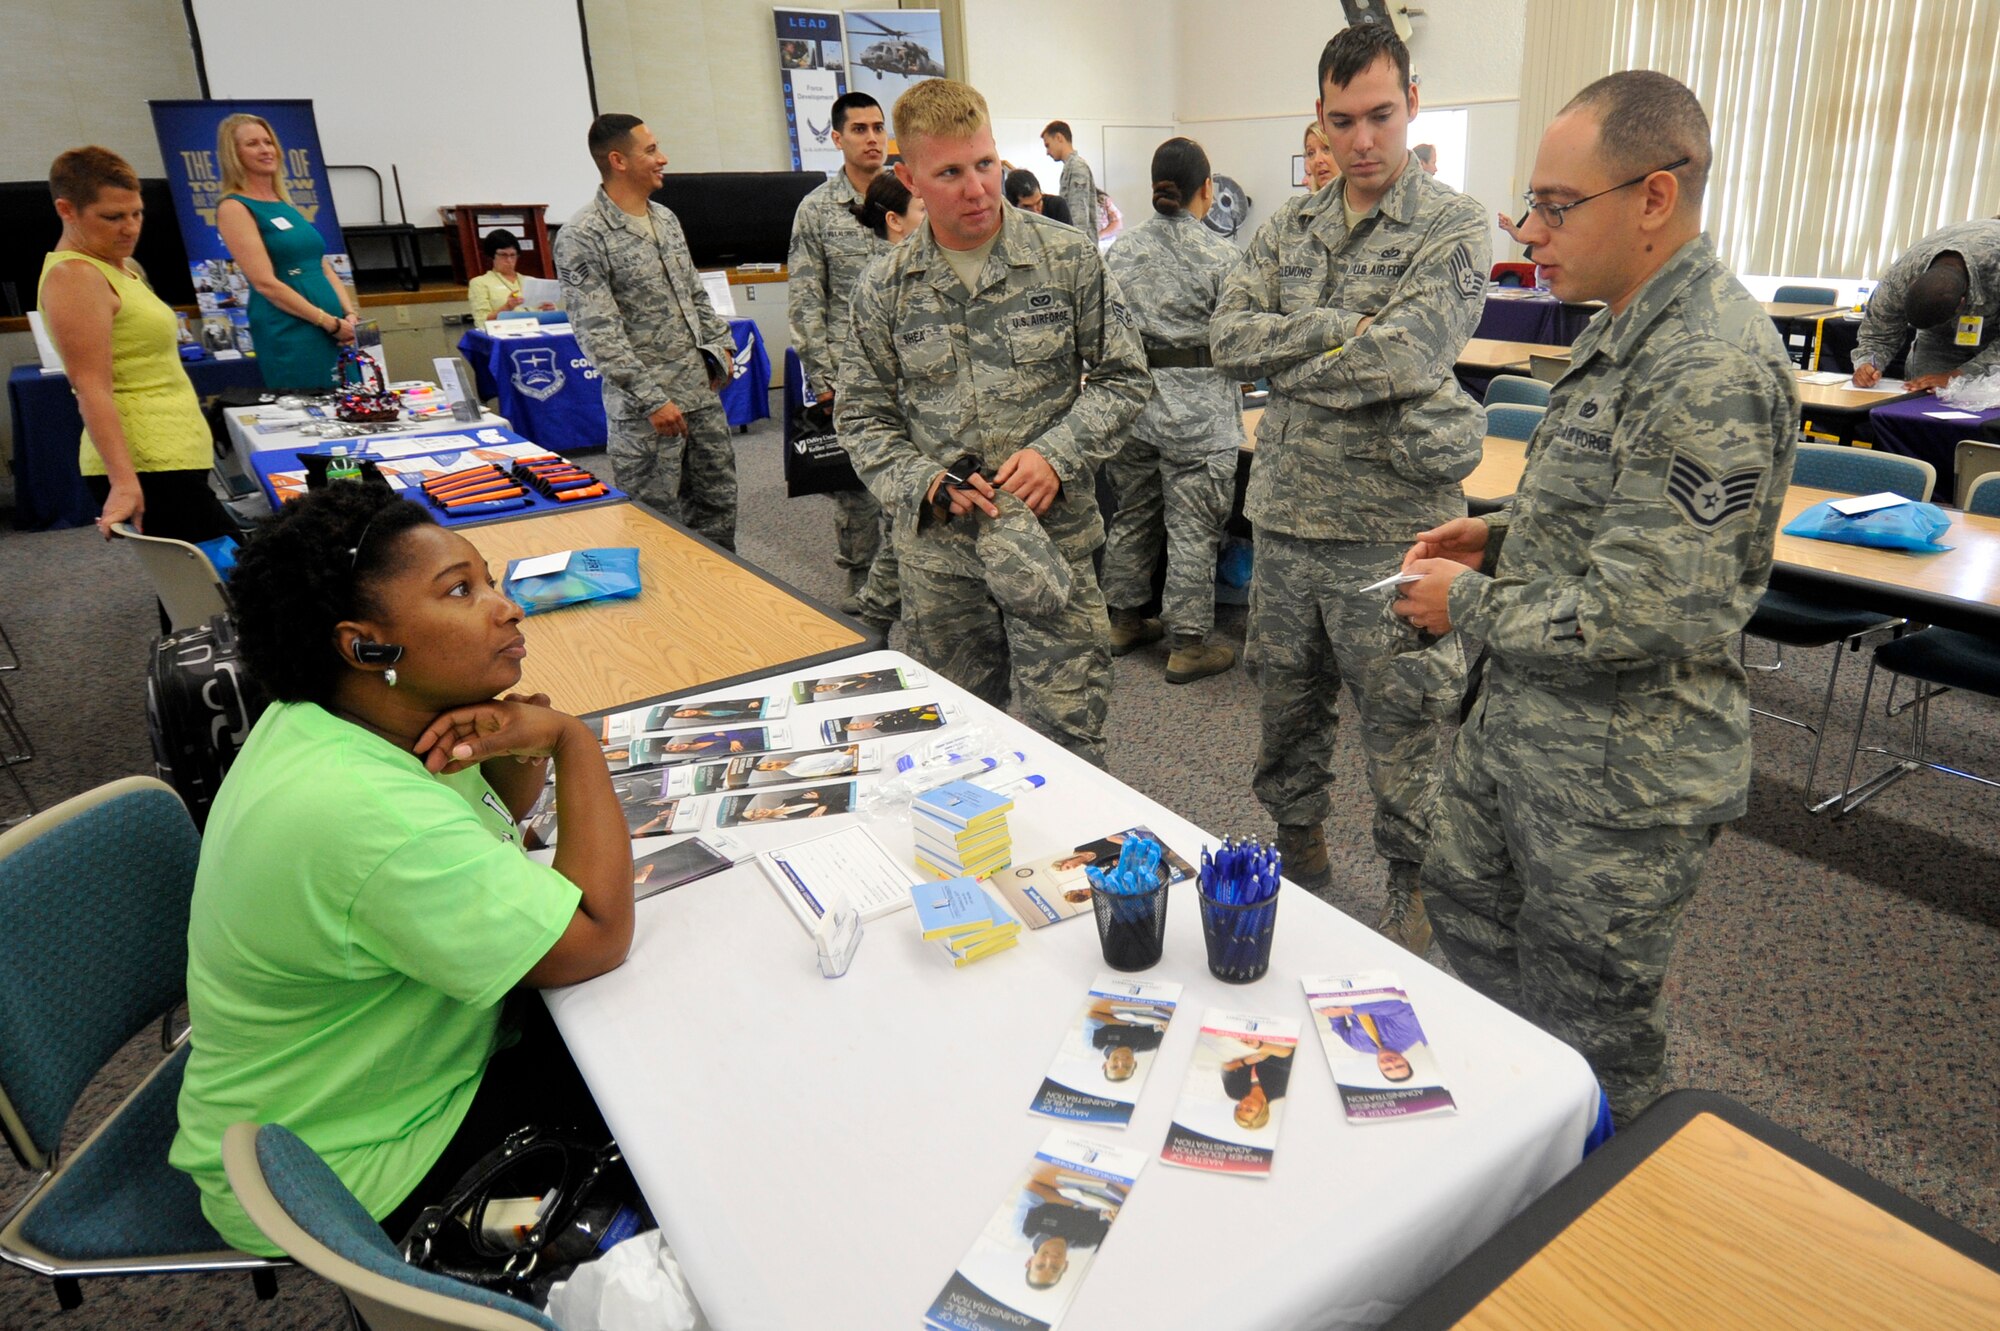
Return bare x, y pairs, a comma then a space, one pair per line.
961, 831
963, 915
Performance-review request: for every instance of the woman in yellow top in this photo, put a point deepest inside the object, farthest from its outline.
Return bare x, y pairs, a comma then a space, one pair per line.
146, 450
498, 289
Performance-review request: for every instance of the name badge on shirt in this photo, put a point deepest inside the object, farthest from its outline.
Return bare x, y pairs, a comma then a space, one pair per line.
1969, 327
281, 224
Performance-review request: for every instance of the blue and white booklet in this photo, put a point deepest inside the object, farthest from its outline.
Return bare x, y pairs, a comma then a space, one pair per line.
1107, 1051
1380, 1055
1025, 1267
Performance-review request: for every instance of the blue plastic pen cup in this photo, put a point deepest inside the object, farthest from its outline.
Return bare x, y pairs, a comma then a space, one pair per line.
1238, 937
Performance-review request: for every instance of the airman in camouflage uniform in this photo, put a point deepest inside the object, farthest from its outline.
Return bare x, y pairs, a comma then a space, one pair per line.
936, 370
829, 250
1176, 474
1612, 738
1364, 442
644, 320
1937, 351
1078, 187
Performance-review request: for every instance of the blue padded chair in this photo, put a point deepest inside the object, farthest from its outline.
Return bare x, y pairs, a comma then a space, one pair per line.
1943, 658
1517, 389
1972, 461
299, 1204
1513, 421
1791, 620
93, 949
1803, 295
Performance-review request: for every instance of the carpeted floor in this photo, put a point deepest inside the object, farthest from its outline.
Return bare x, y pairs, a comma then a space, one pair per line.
1835, 976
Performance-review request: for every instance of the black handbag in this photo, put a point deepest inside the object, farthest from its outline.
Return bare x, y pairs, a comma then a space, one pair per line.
596, 1204
815, 463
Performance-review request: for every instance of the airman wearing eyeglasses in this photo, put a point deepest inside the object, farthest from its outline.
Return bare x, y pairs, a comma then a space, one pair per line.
1612, 740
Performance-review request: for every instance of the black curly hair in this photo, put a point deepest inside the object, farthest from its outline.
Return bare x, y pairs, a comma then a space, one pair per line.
310, 565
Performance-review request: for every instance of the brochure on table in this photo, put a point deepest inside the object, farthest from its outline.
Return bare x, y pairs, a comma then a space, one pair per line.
1381, 1059
1038, 1246
1233, 1099
1108, 1050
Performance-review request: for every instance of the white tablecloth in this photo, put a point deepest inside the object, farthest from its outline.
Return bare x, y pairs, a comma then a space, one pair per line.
244, 431
822, 1152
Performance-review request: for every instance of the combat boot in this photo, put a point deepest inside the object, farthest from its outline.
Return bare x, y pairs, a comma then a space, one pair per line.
1193, 659
1130, 631
1404, 921
1306, 862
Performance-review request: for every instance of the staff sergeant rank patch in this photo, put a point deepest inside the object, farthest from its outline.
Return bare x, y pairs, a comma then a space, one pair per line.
1708, 500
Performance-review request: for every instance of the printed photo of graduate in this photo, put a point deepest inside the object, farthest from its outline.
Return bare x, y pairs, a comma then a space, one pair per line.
858, 685
692, 715
874, 725
786, 806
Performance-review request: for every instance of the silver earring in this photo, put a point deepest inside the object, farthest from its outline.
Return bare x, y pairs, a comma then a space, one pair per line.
389, 677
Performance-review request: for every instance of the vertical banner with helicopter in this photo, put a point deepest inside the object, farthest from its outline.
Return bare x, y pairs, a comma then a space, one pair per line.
812, 66
893, 49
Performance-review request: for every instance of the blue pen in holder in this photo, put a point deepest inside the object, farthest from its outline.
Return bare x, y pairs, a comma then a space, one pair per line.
1130, 902
1239, 909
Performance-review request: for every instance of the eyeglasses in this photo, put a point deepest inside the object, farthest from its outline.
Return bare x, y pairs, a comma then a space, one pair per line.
1552, 213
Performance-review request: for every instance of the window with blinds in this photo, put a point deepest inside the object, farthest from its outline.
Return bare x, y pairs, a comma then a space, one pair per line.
1843, 131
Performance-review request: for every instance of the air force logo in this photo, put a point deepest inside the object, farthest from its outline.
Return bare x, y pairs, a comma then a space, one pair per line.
819, 135
536, 373
1708, 500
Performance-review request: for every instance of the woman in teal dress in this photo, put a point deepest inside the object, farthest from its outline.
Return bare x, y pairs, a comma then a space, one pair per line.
300, 311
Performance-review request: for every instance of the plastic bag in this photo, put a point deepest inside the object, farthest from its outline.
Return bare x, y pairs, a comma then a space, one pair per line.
1972, 392
591, 575
974, 754
1902, 527
636, 1286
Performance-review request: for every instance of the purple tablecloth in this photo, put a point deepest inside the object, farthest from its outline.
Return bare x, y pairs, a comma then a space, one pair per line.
1905, 428
1531, 319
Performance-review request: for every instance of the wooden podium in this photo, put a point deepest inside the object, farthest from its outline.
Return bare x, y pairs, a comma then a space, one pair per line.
465, 223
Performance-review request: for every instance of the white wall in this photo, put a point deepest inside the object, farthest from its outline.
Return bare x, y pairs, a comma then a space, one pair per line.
1245, 86
1098, 65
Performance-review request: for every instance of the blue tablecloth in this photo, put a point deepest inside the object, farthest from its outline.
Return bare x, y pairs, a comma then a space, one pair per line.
48, 489
548, 388
1542, 319
452, 455
1905, 428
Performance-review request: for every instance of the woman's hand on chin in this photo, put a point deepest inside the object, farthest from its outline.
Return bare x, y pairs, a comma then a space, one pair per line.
519, 725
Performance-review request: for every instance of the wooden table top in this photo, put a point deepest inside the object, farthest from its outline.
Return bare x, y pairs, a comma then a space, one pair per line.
1969, 572
1839, 397
700, 618
1717, 1229
1786, 309
1485, 353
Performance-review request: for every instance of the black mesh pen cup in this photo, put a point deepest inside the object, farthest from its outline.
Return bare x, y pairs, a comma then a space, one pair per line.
1238, 937
1131, 927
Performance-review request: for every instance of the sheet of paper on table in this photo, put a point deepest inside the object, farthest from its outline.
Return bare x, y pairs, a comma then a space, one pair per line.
848, 868
1953, 415
1859, 504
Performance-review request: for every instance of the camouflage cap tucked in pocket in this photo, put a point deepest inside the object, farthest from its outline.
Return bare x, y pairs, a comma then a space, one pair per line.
1025, 571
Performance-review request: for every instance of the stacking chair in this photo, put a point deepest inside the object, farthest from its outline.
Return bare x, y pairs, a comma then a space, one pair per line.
1514, 388
1513, 421
1790, 619
187, 584
1548, 369
1972, 460
93, 949
1946, 659
1512, 274
1804, 295
302, 1206
1983, 497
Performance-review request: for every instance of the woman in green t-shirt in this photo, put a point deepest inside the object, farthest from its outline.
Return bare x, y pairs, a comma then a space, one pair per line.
362, 906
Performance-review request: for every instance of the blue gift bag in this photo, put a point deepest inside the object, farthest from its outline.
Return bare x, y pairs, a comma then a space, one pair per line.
1903, 527
592, 575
